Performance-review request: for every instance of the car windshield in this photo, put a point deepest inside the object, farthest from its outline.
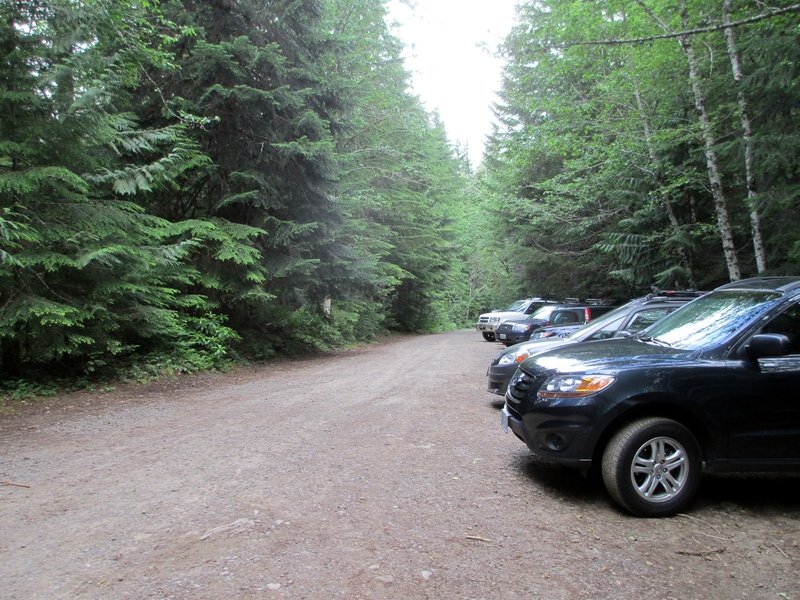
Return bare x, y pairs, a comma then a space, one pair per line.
517, 306
710, 319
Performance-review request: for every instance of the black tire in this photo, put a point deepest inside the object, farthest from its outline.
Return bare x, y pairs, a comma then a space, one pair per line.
652, 467
488, 336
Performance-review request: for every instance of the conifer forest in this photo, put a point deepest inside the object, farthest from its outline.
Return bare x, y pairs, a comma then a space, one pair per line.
188, 183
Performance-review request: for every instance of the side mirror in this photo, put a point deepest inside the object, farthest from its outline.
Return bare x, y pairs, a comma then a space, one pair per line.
765, 345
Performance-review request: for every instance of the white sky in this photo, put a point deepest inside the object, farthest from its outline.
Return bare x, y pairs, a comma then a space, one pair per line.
450, 48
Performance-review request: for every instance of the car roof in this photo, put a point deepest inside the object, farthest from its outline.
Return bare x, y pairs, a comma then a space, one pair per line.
662, 299
631, 308
657, 293
776, 284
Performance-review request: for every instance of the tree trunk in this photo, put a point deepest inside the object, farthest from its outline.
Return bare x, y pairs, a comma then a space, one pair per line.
714, 179
747, 135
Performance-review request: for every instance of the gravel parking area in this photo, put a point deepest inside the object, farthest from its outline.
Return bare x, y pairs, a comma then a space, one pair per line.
379, 472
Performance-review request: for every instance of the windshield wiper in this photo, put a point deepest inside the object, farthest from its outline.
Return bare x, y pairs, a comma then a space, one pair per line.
658, 342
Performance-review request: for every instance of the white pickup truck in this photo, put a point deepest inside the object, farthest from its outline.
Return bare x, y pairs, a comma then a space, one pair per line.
488, 322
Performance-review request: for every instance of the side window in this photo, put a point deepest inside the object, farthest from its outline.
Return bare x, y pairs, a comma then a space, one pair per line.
565, 318
787, 323
533, 307
609, 330
598, 311
645, 318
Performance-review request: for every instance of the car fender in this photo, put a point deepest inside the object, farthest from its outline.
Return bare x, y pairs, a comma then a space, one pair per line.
668, 404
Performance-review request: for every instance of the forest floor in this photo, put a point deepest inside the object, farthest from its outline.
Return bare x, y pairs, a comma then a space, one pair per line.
379, 472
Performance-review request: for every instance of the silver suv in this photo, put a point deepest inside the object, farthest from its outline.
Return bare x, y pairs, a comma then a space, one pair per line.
488, 322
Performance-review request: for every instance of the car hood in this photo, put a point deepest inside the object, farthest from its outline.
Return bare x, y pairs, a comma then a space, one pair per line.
503, 315
610, 355
522, 321
541, 345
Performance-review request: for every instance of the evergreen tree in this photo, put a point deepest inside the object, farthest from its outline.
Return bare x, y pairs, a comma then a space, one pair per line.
603, 149
401, 183
85, 273
256, 73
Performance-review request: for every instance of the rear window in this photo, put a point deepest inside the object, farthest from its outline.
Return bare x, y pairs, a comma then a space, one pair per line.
565, 317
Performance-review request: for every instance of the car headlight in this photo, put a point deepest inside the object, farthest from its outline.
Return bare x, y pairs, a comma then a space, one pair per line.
571, 386
520, 328
494, 319
513, 357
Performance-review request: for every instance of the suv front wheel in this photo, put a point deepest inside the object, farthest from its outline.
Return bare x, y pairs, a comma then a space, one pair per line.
651, 467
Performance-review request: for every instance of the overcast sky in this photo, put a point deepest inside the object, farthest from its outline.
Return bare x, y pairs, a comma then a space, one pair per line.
450, 47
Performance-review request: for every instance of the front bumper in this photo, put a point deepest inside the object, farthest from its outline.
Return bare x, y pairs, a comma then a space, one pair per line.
499, 376
559, 437
509, 338
486, 327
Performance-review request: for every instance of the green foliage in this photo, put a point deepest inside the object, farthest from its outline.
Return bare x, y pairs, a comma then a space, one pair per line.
185, 182
597, 177
86, 278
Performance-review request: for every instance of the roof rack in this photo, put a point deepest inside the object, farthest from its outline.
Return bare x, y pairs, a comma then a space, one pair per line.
586, 301
690, 293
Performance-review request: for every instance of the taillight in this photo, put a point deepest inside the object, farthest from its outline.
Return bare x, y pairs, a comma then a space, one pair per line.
587, 314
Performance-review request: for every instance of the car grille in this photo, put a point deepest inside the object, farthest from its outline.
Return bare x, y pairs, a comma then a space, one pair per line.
522, 385
483, 319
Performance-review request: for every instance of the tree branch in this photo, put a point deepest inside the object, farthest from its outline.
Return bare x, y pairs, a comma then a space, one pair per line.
774, 12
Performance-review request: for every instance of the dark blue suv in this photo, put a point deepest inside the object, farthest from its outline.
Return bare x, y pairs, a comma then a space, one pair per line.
712, 387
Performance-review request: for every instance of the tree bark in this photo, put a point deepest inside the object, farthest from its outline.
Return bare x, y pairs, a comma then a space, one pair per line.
747, 136
714, 179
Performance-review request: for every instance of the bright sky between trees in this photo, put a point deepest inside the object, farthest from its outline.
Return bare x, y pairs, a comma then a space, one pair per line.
450, 50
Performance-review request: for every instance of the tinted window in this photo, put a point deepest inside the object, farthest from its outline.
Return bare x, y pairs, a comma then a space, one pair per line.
645, 318
608, 330
596, 325
597, 311
533, 306
712, 318
788, 324
543, 313
565, 318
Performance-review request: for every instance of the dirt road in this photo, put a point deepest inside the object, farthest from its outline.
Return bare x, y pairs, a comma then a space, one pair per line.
376, 473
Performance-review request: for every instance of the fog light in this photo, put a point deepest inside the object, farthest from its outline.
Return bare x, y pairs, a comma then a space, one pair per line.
555, 442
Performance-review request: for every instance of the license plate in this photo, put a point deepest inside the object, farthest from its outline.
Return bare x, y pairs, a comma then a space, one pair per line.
504, 420
502, 336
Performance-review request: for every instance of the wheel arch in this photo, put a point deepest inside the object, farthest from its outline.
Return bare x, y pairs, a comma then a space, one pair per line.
655, 405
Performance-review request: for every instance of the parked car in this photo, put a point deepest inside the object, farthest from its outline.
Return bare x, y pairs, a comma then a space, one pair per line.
642, 312
713, 387
514, 331
625, 320
488, 322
